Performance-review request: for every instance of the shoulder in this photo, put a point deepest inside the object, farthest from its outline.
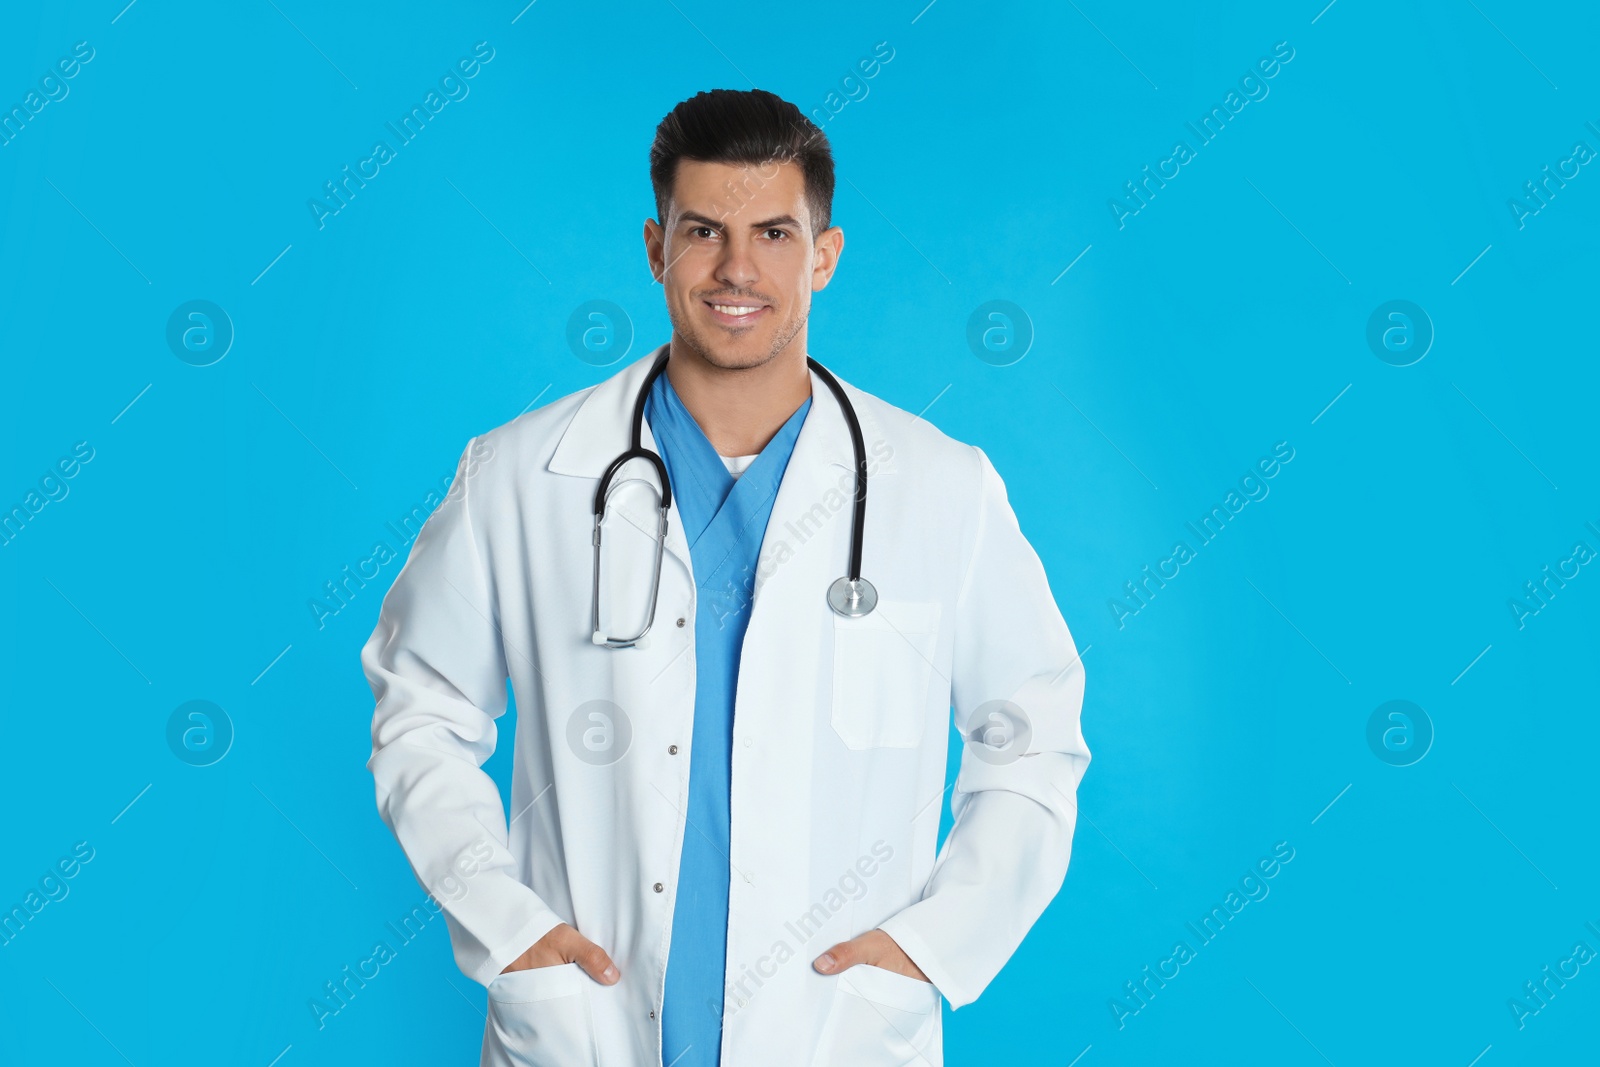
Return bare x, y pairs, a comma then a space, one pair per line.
539, 426
518, 450
912, 445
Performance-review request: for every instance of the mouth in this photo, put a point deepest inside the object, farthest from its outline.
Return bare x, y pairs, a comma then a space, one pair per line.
736, 312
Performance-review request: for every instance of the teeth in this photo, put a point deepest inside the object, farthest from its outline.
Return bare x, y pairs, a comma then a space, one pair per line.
730, 309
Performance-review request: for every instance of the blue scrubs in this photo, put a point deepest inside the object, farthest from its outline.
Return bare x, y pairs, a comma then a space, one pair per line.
724, 520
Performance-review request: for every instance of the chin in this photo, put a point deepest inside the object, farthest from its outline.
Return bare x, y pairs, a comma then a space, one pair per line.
731, 353
736, 357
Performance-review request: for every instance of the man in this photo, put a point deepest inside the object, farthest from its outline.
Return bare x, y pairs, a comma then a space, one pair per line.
758, 783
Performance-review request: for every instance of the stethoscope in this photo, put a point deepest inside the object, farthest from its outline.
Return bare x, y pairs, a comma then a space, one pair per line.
851, 596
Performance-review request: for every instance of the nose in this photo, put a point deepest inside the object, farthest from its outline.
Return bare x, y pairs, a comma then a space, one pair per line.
737, 267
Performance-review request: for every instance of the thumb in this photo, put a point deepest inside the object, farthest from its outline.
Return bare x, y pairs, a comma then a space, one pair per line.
594, 961
844, 954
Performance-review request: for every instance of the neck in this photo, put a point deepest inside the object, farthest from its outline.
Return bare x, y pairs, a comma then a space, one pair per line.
740, 409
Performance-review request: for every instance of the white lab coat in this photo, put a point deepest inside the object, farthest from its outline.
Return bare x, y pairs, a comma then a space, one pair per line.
840, 738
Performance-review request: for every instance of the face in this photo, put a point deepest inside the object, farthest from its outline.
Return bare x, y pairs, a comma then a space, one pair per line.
738, 260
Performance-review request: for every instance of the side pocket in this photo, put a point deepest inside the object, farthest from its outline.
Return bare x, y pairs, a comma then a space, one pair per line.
881, 1019
539, 1017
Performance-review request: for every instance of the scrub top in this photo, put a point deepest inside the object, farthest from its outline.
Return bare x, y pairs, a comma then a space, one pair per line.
724, 516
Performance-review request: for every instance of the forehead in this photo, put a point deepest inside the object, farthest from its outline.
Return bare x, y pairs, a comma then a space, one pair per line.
719, 190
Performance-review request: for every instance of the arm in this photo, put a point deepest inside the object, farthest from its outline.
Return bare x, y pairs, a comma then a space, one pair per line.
438, 674
1006, 854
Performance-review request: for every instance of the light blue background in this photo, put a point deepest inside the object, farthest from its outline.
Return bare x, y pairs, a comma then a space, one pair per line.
1226, 716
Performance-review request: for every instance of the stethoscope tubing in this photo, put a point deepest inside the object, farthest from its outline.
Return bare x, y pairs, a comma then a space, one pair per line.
850, 588
858, 516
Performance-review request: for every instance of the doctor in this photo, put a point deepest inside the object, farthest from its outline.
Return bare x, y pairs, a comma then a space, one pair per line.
730, 743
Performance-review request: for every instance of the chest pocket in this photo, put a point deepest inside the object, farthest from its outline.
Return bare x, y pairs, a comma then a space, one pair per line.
882, 667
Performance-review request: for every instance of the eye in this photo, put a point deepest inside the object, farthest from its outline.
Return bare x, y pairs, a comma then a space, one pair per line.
703, 230
781, 234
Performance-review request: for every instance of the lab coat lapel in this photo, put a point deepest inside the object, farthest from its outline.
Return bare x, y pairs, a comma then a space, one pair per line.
601, 431
807, 543
784, 670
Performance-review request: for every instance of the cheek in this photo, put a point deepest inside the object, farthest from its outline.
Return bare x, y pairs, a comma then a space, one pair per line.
687, 270
787, 273
681, 302
795, 309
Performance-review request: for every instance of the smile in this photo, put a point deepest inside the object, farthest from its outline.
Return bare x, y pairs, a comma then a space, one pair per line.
735, 313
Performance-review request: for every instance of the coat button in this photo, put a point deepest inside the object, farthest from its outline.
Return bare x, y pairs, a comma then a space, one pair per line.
672, 750
680, 624
659, 887
652, 1013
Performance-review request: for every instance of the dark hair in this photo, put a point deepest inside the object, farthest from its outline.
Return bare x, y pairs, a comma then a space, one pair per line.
751, 127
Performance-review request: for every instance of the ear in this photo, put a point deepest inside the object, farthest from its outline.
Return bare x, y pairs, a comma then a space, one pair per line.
655, 241
829, 247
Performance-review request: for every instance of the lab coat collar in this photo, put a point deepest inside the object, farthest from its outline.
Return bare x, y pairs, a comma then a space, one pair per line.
601, 429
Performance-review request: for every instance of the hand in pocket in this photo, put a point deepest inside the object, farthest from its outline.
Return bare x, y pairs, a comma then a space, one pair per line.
874, 948
563, 944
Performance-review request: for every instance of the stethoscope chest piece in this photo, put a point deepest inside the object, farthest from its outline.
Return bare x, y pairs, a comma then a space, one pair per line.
852, 598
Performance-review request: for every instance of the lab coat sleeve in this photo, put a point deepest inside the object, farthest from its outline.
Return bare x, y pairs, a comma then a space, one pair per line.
1014, 813
438, 675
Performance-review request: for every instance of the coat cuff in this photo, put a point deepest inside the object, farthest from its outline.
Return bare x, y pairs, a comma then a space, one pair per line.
514, 944
902, 927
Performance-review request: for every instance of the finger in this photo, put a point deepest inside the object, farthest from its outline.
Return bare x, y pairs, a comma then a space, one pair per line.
889, 955
844, 954
595, 963
529, 958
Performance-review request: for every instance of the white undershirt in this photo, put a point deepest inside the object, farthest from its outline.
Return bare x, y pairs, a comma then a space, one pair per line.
737, 464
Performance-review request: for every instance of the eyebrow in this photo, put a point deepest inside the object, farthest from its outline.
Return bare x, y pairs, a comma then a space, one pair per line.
778, 220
